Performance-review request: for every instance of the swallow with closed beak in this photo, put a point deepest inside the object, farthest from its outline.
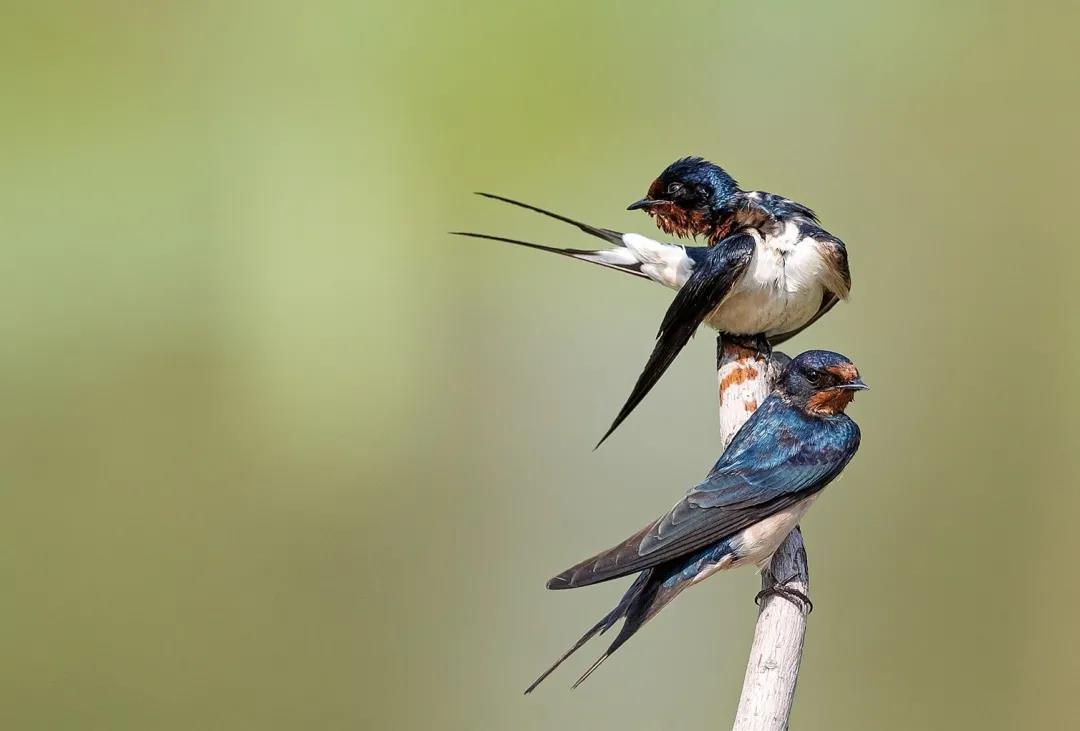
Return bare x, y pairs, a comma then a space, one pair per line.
776, 466
768, 271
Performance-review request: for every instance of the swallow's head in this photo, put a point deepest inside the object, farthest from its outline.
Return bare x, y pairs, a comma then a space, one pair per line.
821, 382
688, 197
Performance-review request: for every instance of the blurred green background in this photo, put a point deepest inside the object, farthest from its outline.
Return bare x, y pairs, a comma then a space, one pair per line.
279, 453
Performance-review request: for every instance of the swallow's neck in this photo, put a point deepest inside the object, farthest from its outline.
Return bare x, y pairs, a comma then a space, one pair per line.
722, 218
753, 209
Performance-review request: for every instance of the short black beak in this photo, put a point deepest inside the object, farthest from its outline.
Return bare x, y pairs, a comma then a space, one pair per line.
856, 385
643, 203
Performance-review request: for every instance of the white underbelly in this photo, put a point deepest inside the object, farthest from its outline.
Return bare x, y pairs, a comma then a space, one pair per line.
780, 291
766, 311
756, 544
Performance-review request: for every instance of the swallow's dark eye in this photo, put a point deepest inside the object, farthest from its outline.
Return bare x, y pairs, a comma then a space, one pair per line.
814, 377
674, 188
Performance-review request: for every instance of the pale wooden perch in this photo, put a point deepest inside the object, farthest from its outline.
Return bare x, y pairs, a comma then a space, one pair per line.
746, 377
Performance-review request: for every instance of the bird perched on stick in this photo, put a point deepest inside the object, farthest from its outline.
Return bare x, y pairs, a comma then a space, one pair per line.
795, 444
769, 270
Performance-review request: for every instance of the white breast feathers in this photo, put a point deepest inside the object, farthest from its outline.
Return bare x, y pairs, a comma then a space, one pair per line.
782, 288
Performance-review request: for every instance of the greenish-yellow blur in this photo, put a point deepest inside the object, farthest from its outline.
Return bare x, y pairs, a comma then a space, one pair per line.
278, 453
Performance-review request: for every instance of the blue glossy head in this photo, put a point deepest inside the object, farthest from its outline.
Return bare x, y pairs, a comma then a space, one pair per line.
821, 381
687, 196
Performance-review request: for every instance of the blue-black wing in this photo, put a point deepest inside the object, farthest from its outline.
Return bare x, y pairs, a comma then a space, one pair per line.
777, 459
717, 271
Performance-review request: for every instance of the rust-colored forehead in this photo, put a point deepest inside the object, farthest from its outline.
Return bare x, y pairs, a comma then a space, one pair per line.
656, 188
844, 371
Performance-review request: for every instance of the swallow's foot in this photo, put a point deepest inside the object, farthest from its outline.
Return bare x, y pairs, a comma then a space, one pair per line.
781, 589
758, 343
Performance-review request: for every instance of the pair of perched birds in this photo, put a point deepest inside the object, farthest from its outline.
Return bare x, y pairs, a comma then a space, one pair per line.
769, 270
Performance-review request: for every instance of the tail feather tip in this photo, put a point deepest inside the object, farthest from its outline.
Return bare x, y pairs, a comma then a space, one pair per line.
558, 582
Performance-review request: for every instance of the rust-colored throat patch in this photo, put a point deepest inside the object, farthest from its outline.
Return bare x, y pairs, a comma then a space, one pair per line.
830, 401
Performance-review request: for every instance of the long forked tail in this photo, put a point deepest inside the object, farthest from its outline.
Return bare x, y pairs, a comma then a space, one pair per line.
643, 257
612, 237
621, 259
632, 596
649, 593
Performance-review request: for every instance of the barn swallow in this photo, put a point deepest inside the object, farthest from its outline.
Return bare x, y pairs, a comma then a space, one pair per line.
768, 272
795, 444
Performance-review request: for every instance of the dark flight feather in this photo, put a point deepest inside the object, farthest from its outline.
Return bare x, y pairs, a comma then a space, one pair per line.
778, 458
711, 281
632, 594
653, 589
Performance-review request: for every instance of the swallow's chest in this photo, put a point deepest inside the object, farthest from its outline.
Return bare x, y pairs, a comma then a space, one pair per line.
781, 289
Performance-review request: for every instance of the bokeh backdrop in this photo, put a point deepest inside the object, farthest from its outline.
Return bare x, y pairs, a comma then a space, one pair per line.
278, 453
